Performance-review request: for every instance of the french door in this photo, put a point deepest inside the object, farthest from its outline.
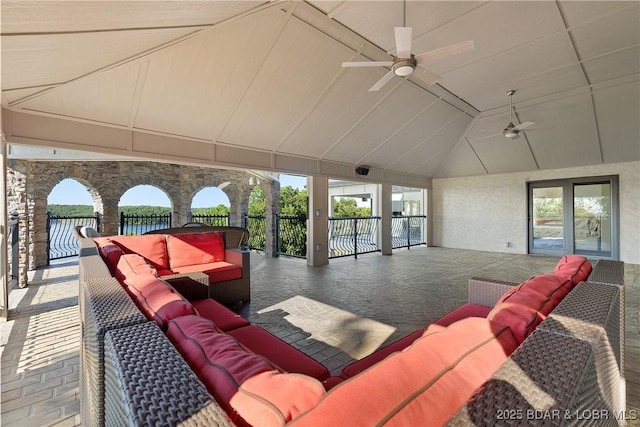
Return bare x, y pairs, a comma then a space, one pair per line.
574, 216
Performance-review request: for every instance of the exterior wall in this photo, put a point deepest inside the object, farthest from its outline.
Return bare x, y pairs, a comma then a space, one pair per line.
484, 212
30, 182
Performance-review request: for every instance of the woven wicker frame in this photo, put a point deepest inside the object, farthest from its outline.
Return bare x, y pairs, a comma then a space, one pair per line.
148, 383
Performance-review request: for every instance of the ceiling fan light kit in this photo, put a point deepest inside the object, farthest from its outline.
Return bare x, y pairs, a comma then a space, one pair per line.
403, 67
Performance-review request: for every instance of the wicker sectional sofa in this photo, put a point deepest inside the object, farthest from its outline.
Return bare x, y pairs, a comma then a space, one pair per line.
489, 362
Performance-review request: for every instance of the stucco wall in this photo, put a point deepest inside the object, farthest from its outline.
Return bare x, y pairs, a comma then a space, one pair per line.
484, 212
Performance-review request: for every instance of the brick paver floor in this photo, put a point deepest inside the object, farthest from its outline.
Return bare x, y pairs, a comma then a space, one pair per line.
336, 313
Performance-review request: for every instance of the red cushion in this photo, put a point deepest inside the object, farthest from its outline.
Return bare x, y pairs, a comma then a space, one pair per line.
462, 312
224, 318
548, 285
130, 265
247, 386
111, 253
157, 300
151, 246
220, 271
286, 357
423, 385
573, 267
366, 362
195, 248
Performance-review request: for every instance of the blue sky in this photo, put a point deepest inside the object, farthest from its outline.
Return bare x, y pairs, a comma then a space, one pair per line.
71, 192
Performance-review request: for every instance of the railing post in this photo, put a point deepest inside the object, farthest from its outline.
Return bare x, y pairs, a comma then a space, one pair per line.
408, 233
245, 220
97, 215
170, 219
355, 237
121, 223
229, 219
48, 238
15, 247
276, 225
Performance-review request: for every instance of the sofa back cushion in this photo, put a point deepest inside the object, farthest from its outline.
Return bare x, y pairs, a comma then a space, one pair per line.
424, 384
195, 248
110, 253
574, 267
152, 247
249, 387
157, 300
130, 265
525, 306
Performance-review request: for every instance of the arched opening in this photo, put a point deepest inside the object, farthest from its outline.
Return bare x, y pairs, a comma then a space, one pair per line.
144, 208
256, 220
69, 204
210, 206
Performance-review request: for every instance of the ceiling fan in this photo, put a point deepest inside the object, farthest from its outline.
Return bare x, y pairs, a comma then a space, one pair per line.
406, 63
511, 131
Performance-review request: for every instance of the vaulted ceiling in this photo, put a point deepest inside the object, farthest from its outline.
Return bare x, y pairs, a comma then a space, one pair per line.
260, 85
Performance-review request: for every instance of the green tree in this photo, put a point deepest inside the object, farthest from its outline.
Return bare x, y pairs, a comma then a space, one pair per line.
214, 210
257, 202
293, 201
348, 208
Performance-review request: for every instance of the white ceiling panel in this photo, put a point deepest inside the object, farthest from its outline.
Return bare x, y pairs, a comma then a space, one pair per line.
416, 133
618, 109
346, 103
499, 154
461, 162
497, 71
495, 28
610, 33
397, 110
214, 70
299, 68
527, 87
34, 60
19, 16
102, 97
612, 66
581, 12
442, 141
565, 132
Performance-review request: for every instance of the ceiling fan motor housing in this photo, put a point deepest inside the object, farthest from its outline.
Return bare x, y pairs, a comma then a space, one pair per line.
404, 66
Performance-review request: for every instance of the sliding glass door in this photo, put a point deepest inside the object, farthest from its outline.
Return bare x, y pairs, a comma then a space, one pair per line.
574, 216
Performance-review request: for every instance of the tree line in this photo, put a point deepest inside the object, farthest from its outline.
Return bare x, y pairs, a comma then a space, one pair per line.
293, 202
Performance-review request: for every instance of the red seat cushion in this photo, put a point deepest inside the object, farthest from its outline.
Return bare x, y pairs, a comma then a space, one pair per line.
224, 318
573, 267
247, 386
157, 300
286, 357
195, 248
424, 385
152, 247
220, 271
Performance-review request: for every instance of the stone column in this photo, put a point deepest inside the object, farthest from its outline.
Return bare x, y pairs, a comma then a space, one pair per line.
17, 202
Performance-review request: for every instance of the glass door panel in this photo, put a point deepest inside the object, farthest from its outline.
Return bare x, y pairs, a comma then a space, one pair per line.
548, 219
592, 219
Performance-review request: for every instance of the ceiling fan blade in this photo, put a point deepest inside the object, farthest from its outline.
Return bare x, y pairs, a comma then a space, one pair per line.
403, 42
367, 64
445, 51
426, 76
489, 136
524, 125
383, 81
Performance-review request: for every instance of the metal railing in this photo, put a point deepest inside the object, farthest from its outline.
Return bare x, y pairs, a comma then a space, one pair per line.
60, 241
257, 226
352, 236
139, 224
213, 220
291, 235
407, 231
